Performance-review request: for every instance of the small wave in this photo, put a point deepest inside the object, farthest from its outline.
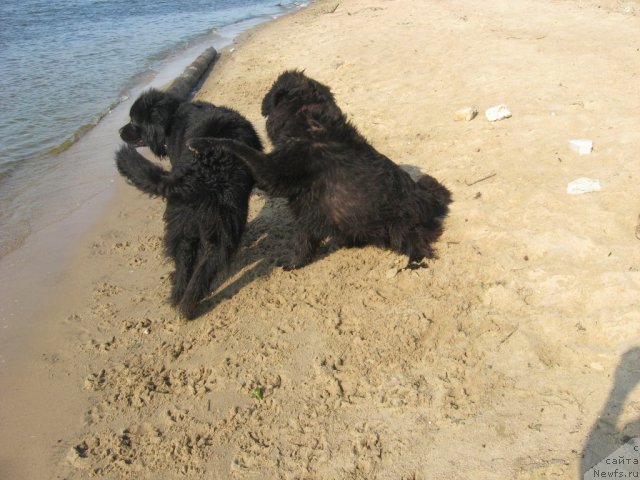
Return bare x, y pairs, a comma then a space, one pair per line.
156, 60
83, 130
9, 243
77, 135
6, 169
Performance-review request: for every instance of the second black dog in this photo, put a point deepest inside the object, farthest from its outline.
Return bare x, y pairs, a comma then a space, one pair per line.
207, 195
337, 184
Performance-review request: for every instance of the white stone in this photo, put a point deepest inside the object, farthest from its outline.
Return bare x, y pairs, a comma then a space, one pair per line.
581, 146
597, 366
583, 185
499, 112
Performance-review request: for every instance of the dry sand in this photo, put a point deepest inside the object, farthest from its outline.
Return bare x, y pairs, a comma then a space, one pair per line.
516, 354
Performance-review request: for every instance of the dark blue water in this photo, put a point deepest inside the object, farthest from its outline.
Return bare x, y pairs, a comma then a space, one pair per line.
64, 64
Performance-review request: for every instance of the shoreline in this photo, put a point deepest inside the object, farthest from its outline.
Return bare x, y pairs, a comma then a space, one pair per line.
79, 212
48, 181
78, 223
497, 360
27, 325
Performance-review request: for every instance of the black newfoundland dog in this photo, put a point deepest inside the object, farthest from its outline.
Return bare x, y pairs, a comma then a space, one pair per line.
337, 184
207, 195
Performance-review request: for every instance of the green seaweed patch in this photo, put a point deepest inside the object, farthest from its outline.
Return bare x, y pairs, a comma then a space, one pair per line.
72, 139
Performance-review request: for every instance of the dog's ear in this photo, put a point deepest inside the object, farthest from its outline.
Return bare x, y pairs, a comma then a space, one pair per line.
285, 84
271, 99
163, 109
156, 139
160, 114
321, 92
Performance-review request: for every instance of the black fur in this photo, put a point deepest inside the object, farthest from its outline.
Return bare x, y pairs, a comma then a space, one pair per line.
207, 194
337, 184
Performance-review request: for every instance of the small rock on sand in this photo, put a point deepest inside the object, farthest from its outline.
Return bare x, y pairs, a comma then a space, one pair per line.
467, 114
581, 146
583, 185
499, 112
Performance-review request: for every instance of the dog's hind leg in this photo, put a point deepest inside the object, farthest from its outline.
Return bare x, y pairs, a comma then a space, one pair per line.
212, 263
418, 246
184, 255
306, 246
429, 204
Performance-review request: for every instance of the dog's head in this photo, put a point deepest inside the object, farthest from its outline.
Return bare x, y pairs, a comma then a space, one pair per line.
294, 90
150, 119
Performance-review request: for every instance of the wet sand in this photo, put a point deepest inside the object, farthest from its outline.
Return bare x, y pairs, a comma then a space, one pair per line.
514, 355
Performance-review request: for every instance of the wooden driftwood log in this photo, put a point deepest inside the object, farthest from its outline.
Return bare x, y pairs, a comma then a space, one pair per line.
183, 85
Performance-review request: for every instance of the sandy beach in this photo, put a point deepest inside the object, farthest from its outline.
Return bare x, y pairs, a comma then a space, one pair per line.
515, 355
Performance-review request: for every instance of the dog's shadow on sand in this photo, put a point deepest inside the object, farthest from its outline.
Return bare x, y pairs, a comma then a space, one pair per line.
606, 435
412, 170
268, 238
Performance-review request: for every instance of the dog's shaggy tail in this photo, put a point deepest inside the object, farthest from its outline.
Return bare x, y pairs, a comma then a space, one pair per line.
437, 196
430, 205
151, 178
268, 174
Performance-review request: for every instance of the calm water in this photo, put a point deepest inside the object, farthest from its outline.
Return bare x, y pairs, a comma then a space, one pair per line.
65, 64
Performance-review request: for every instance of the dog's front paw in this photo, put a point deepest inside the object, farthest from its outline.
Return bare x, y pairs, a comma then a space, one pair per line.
287, 265
416, 265
125, 153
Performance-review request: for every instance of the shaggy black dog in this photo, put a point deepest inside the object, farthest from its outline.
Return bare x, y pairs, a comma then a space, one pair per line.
207, 195
337, 184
